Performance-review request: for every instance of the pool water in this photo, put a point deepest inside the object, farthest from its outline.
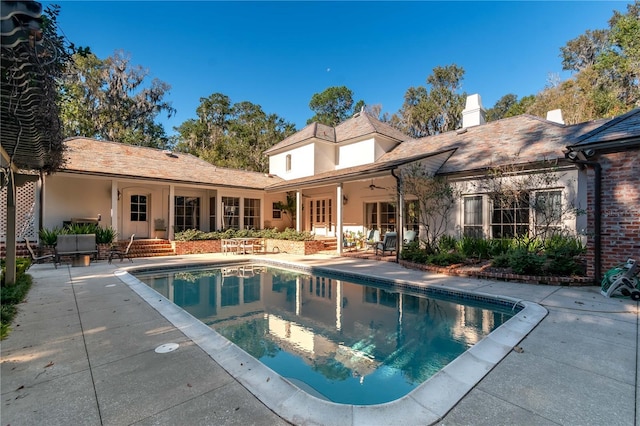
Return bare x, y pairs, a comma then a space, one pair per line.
339, 340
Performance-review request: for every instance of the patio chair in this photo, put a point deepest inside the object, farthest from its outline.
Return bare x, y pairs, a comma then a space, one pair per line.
38, 259
372, 239
117, 251
388, 243
409, 236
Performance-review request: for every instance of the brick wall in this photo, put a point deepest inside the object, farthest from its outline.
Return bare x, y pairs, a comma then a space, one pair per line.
620, 218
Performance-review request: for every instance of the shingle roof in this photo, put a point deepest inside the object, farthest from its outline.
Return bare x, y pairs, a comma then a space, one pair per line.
620, 129
116, 159
359, 125
527, 137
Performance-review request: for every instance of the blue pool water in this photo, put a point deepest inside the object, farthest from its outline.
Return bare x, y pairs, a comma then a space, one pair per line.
340, 340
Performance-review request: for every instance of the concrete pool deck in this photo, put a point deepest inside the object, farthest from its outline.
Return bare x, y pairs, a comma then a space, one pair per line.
82, 352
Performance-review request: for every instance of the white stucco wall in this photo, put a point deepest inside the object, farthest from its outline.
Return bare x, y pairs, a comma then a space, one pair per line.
355, 154
302, 162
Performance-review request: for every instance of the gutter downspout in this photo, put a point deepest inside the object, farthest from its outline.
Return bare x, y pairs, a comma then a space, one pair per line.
597, 225
400, 214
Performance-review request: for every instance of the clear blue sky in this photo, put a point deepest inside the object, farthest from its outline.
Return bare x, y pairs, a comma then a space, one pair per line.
278, 54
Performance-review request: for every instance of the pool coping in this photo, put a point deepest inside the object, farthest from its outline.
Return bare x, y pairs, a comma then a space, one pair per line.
430, 401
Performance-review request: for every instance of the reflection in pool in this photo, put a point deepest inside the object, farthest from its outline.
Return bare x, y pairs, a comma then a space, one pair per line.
338, 340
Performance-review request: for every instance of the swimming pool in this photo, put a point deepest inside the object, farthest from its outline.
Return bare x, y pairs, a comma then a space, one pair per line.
346, 342
429, 401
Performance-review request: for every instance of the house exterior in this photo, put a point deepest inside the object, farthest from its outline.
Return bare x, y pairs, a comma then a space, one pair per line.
350, 178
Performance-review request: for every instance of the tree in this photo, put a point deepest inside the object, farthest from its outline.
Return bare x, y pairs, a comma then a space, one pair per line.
105, 99
509, 106
231, 135
333, 106
289, 207
436, 200
429, 112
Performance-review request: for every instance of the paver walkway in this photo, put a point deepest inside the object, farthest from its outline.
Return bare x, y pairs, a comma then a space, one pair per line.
82, 353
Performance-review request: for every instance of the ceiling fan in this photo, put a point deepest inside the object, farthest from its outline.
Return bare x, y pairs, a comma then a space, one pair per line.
373, 186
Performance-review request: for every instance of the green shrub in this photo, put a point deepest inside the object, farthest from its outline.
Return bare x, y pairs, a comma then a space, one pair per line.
9, 297
447, 243
445, 259
413, 253
500, 246
80, 228
501, 260
472, 247
48, 237
105, 235
287, 234
524, 262
563, 255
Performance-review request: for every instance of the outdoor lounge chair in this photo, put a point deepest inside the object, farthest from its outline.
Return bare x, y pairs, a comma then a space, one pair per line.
409, 236
38, 259
388, 243
117, 251
372, 239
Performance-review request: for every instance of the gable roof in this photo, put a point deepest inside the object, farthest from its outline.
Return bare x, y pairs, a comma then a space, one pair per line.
524, 138
103, 158
617, 132
361, 124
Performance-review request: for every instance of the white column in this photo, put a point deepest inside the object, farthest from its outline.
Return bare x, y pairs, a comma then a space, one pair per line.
339, 218
114, 206
338, 305
172, 211
299, 211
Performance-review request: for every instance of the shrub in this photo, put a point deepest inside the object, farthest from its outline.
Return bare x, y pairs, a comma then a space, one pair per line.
563, 255
9, 297
287, 234
524, 262
446, 243
501, 261
474, 247
445, 259
500, 246
80, 228
105, 235
48, 237
413, 253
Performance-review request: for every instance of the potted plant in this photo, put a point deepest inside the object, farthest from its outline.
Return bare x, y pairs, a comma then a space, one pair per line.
105, 238
160, 228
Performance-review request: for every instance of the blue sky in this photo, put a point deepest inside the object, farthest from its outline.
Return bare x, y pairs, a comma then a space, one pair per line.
278, 54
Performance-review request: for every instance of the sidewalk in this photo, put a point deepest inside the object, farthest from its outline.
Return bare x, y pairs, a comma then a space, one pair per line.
82, 353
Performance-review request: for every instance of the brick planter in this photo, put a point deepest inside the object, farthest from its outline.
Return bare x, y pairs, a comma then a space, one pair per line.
454, 270
272, 246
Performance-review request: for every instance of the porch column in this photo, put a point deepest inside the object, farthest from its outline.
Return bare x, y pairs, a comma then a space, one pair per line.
299, 211
172, 208
400, 219
10, 273
114, 206
339, 218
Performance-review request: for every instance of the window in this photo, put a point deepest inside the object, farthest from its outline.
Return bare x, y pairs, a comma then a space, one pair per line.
380, 216
252, 213
472, 217
138, 208
187, 213
548, 211
231, 211
288, 163
510, 217
277, 213
387, 218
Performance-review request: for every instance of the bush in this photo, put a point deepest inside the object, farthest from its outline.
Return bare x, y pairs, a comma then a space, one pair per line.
105, 235
479, 248
563, 255
447, 243
9, 297
288, 234
48, 237
413, 253
501, 261
500, 246
445, 259
524, 262
80, 228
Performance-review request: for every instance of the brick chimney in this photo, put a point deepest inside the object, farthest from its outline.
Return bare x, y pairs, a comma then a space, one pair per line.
473, 113
555, 116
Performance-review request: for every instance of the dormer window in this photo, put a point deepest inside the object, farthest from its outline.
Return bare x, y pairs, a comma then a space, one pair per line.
288, 163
